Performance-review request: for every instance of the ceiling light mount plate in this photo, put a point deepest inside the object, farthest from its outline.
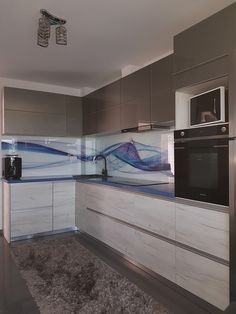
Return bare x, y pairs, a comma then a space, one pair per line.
53, 20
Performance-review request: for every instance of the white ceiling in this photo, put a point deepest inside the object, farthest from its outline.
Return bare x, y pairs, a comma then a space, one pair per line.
104, 36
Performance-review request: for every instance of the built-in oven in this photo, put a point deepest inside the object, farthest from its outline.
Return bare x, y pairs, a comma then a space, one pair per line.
202, 164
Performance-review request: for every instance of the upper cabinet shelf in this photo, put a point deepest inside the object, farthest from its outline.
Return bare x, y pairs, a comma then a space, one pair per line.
27, 112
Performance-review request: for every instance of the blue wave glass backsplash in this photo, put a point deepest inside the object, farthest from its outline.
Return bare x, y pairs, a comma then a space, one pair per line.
148, 154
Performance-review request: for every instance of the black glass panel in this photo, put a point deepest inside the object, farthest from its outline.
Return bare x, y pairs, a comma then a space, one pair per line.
203, 170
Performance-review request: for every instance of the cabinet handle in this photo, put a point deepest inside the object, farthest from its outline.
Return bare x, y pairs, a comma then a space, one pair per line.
180, 147
219, 146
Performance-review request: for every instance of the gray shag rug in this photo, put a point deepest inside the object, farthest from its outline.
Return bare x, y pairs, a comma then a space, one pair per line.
65, 278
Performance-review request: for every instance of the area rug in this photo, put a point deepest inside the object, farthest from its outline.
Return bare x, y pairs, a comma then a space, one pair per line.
65, 278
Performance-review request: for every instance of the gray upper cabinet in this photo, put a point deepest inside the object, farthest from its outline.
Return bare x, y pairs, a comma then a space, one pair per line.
208, 40
89, 116
101, 110
33, 101
135, 98
74, 116
162, 92
27, 112
202, 73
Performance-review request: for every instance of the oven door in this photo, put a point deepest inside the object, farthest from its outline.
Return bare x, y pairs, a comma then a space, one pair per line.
202, 170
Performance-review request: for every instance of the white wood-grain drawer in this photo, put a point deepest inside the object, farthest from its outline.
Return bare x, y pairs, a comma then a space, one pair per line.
63, 205
203, 277
30, 195
147, 250
149, 213
155, 215
204, 229
110, 201
31, 221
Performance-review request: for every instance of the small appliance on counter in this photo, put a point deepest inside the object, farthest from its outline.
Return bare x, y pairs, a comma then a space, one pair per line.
11, 167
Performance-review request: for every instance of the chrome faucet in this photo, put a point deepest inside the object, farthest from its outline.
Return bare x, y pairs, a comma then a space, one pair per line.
104, 171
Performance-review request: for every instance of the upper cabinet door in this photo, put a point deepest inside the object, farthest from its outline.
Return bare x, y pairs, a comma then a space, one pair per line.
162, 91
89, 115
108, 96
101, 110
135, 98
74, 123
205, 41
27, 112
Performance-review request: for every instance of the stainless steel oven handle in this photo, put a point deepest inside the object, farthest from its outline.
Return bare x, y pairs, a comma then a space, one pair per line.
219, 146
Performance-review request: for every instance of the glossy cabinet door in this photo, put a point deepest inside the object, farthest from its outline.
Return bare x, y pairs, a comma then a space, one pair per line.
162, 92
89, 116
205, 72
135, 98
74, 116
27, 112
101, 110
205, 41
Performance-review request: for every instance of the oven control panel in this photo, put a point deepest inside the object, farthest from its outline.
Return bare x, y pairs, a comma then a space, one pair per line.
213, 130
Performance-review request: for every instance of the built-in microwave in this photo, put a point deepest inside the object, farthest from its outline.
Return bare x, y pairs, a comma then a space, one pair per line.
208, 107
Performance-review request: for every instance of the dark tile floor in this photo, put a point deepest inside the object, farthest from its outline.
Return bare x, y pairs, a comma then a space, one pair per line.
14, 294
16, 299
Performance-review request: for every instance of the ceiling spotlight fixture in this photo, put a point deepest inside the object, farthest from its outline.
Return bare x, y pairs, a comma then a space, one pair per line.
45, 22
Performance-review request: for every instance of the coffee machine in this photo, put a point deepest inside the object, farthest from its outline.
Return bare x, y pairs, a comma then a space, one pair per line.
11, 167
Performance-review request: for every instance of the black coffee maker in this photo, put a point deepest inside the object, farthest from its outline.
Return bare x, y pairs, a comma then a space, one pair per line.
11, 167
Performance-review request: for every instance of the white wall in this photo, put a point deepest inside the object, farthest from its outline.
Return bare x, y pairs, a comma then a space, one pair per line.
33, 86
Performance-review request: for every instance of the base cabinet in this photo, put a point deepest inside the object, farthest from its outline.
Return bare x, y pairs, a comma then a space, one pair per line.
206, 230
207, 279
159, 218
31, 221
37, 207
153, 253
162, 236
63, 205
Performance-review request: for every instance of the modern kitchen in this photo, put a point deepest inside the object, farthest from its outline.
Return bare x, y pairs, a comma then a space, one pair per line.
118, 188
